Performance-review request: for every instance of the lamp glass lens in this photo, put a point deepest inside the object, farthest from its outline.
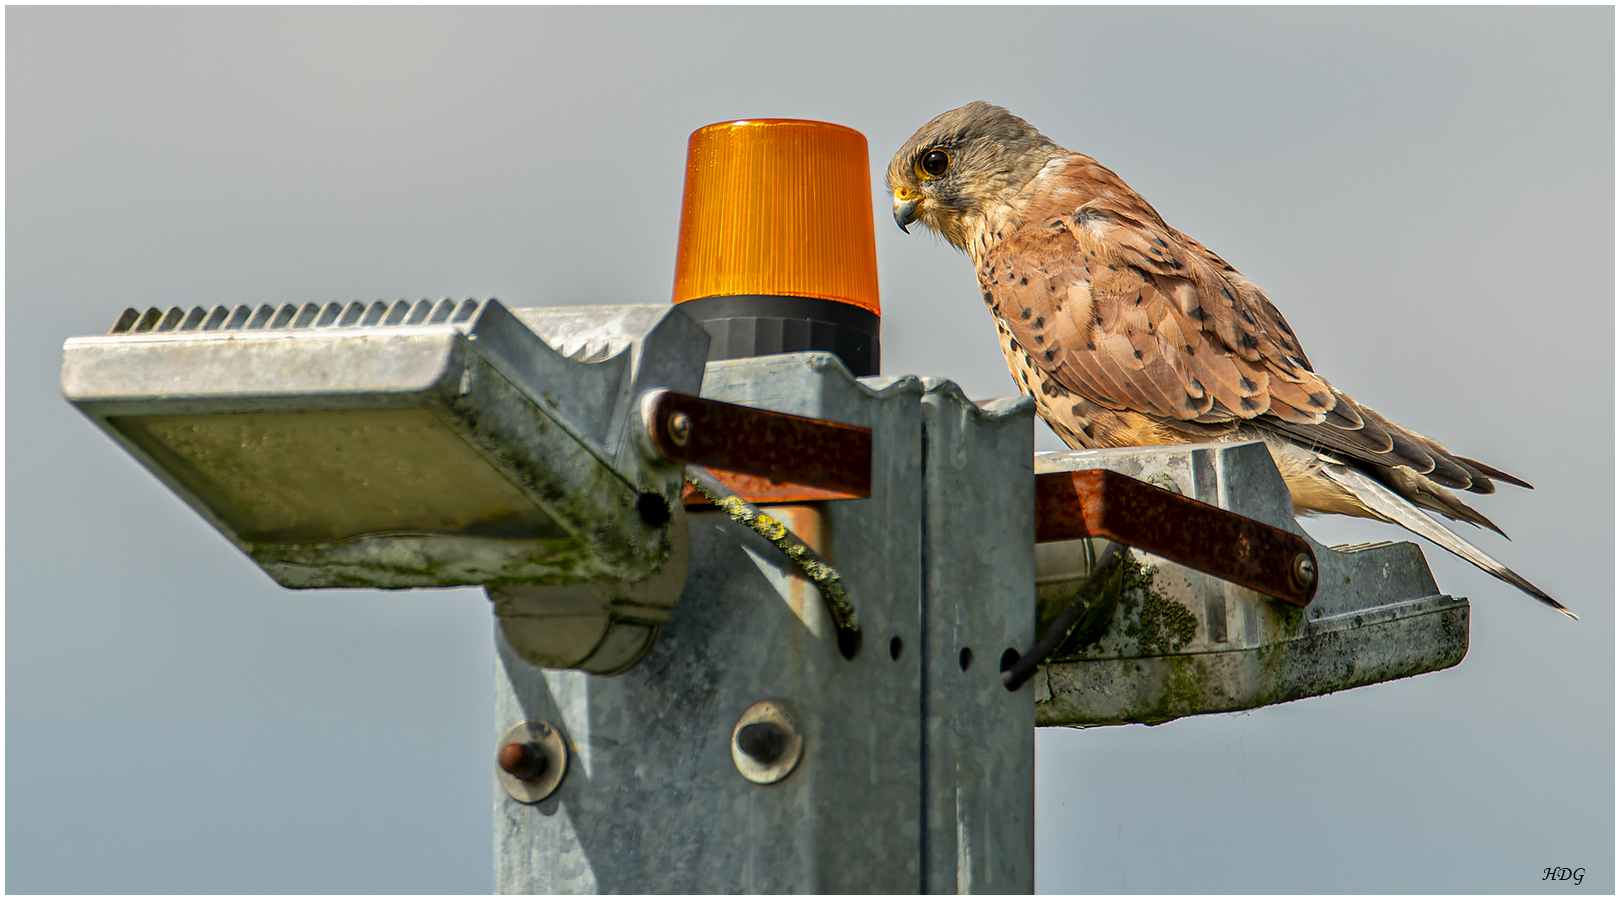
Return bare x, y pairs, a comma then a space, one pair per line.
329, 475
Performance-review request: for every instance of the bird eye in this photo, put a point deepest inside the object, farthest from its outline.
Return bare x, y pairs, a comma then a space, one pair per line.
933, 164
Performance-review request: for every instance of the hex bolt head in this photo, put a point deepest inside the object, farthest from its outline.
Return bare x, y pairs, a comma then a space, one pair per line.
531, 760
526, 761
680, 429
1304, 570
763, 741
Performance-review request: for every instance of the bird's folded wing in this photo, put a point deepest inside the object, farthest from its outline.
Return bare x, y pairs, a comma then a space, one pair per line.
1133, 315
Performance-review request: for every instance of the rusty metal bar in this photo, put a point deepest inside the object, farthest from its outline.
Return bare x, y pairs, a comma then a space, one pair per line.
777, 449
761, 491
1100, 503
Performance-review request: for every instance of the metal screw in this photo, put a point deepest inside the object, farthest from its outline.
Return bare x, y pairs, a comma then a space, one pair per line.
1304, 570
526, 761
680, 429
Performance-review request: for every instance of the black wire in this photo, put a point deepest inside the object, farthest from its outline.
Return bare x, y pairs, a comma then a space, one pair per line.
1023, 668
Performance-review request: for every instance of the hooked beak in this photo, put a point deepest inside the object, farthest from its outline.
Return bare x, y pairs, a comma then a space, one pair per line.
905, 210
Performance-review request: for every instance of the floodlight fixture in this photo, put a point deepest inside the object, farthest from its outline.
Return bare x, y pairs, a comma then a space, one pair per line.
402, 445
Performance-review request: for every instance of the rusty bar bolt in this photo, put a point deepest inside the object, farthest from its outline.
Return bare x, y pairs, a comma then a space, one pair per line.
680, 429
1304, 570
526, 761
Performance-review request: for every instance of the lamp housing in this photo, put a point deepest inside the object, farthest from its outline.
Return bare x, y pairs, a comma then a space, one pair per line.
403, 445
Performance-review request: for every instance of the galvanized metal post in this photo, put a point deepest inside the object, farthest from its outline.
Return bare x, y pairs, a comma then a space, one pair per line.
979, 586
916, 773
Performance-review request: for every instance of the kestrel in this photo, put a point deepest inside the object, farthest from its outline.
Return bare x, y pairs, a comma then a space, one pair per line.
1127, 332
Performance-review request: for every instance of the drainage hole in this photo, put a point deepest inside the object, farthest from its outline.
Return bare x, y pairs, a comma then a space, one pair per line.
895, 646
654, 511
965, 658
849, 643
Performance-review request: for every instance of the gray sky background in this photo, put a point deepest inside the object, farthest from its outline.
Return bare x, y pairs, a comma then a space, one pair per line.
1427, 194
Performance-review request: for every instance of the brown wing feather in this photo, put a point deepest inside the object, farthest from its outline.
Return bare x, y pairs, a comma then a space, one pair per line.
1122, 335
1135, 316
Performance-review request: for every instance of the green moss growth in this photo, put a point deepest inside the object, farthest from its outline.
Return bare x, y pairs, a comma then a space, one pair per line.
1163, 625
1186, 690
1157, 624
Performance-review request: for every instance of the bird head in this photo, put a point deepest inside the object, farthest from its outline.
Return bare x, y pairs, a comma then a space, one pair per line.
962, 166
